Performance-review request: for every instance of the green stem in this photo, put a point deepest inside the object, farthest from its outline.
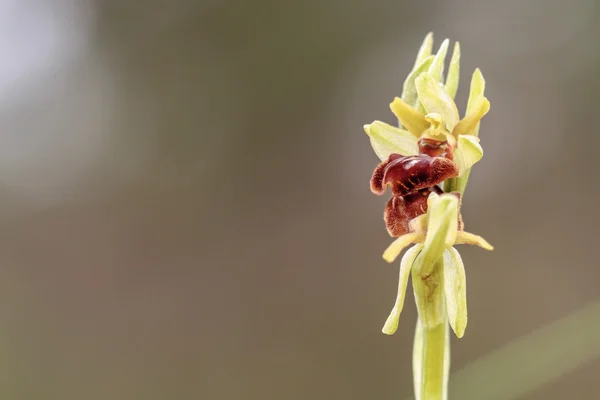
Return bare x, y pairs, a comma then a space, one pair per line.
431, 351
431, 362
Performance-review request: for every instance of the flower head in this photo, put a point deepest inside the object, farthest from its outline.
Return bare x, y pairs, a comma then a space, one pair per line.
431, 145
427, 112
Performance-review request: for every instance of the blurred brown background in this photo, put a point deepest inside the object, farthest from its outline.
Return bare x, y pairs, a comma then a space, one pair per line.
185, 204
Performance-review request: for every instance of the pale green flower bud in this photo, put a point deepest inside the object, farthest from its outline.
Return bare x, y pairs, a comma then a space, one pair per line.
424, 50
451, 85
436, 70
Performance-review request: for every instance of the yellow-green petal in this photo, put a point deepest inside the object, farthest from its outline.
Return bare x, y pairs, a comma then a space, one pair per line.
436, 70
424, 50
469, 238
442, 226
413, 120
455, 288
475, 95
391, 324
451, 85
435, 100
393, 251
470, 122
409, 91
468, 151
387, 139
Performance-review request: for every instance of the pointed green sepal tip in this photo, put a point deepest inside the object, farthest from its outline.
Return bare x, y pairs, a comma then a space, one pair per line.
425, 49
436, 70
476, 96
451, 85
391, 324
455, 289
477, 88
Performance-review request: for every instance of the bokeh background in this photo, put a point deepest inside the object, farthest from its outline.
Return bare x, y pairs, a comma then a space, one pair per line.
185, 210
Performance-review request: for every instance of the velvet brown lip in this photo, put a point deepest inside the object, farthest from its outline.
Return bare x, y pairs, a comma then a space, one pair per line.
412, 179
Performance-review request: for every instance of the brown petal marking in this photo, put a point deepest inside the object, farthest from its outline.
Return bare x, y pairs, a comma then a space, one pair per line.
410, 174
377, 186
435, 148
399, 211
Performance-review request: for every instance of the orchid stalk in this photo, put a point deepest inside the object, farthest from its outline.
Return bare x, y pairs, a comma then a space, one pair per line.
431, 147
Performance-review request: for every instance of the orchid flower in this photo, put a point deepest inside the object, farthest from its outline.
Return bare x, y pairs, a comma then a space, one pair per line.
431, 146
434, 234
440, 121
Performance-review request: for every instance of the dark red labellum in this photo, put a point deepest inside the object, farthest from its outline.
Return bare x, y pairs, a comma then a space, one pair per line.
400, 210
413, 179
409, 174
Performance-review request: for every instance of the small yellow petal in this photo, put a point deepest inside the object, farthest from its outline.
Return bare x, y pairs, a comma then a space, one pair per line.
469, 238
391, 324
387, 139
451, 85
455, 288
393, 251
470, 123
435, 100
413, 120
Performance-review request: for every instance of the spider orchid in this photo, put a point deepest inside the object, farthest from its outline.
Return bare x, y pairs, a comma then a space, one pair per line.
431, 146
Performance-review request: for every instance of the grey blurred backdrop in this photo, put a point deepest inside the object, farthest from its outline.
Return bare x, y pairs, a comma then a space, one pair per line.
185, 205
